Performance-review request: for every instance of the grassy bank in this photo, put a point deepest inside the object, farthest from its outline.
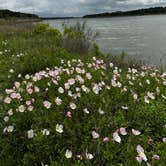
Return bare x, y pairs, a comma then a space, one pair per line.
63, 102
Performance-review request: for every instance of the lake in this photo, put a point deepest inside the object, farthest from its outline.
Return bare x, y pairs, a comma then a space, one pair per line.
141, 37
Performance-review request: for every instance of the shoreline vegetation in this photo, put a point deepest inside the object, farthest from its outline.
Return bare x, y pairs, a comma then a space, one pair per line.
139, 12
63, 102
10, 15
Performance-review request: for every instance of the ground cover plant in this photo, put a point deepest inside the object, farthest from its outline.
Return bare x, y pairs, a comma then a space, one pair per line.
60, 107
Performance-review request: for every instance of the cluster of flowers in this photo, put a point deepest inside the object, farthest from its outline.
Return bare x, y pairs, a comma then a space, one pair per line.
72, 80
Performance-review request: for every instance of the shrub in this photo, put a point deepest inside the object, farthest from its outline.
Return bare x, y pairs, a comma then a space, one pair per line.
78, 38
47, 31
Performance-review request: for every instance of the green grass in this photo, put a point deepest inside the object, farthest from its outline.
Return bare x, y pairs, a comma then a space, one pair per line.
98, 100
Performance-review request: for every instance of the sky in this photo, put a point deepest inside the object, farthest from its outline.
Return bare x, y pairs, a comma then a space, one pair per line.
57, 8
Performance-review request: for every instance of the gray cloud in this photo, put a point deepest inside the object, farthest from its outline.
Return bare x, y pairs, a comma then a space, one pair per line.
75, 7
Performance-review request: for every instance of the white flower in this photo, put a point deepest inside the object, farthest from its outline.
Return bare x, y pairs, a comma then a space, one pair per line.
30, 133
86, 110
88, 76
30, 108
11, 71
148, 82
46, 132
146, 100
27, 76
143, 156
6, 118
124, 107
7, 100
60, 90
67, 86
164, 140
135, 96
21, 108
73, 106
95, 135
96, 89
58, 101
151, 95
136, 132
101, 112
111, 65
123, 131
116, 137
68, 154
89, 156
59, 128
10, 112
10, 128
164, 97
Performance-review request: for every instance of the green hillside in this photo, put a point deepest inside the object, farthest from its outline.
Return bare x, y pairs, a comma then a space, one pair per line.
10, 14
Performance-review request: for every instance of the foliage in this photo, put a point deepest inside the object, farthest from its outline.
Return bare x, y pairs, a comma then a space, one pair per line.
78, 38
60, 108
139, 12
10, 14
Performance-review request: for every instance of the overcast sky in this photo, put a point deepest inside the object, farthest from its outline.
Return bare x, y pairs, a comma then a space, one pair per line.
76, 7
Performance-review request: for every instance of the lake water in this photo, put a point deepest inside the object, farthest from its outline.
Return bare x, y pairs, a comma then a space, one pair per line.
142, 37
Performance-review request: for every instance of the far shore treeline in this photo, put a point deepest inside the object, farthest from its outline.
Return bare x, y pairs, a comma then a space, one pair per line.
139, 12
7, 14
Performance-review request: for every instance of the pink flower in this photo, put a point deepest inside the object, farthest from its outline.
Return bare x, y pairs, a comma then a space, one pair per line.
30, 91
141, 154
15, 96
139, 159
123, 131
106, 139
136, 132
116, 137
17, 84
140, 149
156, 157
36, 89
30, 108
69, 114
95, 135
28, 102
47, 104
71, 81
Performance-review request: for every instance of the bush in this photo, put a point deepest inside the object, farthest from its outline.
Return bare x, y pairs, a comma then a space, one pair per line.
45, 29
78, 39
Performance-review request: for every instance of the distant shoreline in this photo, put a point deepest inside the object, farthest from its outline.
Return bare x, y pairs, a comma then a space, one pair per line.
100, 17
139, 12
